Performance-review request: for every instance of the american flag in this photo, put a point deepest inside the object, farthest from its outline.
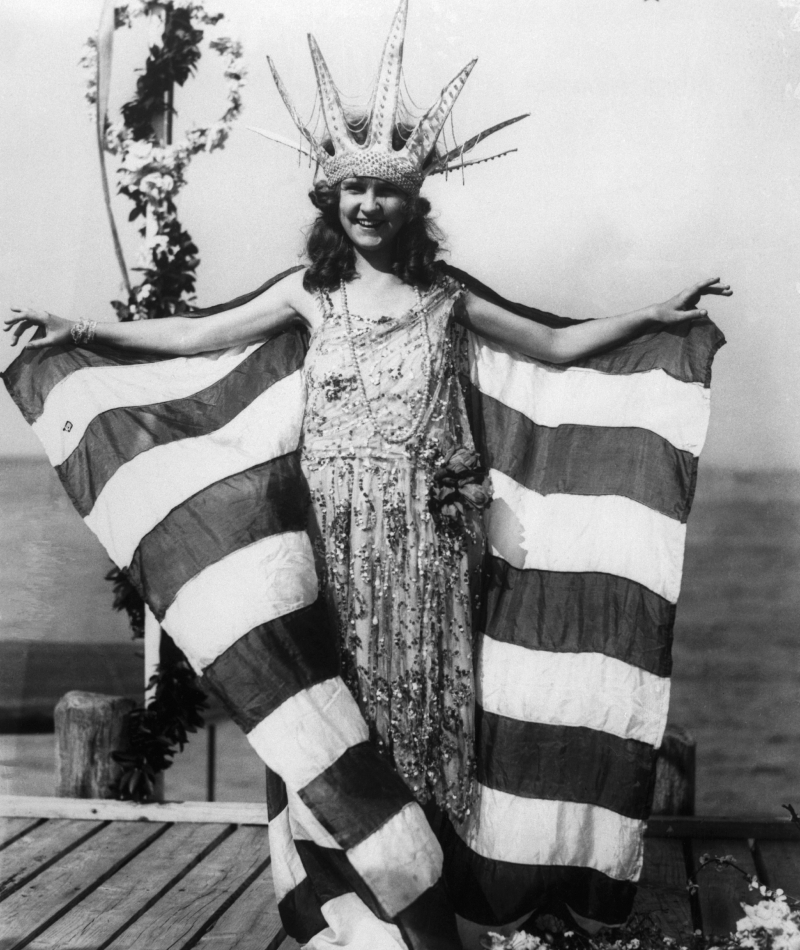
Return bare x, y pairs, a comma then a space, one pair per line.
187, 471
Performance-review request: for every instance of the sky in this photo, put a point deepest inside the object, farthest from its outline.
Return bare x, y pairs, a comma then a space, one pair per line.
662, 148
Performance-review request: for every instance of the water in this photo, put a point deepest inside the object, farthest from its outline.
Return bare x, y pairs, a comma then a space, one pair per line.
736, 682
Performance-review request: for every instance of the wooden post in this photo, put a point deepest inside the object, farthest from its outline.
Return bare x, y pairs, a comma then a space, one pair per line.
89, 727
675, 774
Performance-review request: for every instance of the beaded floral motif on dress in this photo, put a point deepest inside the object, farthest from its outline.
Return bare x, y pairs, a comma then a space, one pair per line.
398, 577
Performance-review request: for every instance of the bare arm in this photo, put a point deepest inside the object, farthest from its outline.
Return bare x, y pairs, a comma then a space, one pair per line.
282, 304
564, 344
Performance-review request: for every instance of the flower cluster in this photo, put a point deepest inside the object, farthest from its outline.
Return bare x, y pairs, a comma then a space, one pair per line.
151, 173
459, 483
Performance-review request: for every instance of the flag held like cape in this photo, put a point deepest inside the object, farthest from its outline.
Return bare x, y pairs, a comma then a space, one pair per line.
187, 470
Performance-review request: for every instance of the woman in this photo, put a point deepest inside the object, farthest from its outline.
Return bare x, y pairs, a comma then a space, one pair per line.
389, 457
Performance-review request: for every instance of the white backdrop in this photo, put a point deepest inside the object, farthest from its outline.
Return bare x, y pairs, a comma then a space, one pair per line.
662, 148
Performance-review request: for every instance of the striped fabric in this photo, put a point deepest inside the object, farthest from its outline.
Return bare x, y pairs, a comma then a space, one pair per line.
187, 471
594, 468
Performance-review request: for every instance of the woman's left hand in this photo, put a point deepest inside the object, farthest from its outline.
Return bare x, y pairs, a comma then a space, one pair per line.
684, 306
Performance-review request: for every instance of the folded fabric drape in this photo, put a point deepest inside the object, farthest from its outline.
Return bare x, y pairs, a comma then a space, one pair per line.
187, 471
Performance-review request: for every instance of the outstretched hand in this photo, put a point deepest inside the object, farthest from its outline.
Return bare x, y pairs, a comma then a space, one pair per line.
51, 331
684, 306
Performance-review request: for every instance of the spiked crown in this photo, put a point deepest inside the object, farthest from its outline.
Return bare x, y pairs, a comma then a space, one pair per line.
367, 147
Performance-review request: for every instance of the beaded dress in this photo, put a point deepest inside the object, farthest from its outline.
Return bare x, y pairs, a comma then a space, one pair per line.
384, 408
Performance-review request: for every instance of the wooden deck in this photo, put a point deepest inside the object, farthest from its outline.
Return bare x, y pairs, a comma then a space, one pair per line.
88, 875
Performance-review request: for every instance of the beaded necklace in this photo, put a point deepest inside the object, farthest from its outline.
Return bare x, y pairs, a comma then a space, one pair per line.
402, 437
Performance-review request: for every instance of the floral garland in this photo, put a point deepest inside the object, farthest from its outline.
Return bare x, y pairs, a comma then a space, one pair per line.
152, 173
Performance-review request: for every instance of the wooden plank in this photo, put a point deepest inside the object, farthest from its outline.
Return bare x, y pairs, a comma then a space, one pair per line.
13, 828
251, 923
126, 895
763, 829
662, 895
31, 854
32, 908
186, 911
93, 809
781, 863
721, 892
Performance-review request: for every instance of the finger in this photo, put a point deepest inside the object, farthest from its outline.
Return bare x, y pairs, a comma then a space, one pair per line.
18, 332
723, 290
36, 344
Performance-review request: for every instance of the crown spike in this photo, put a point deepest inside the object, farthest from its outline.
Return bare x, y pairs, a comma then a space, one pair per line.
284, 141
387, 90
332, 110
424, 136
460, 150
319, 153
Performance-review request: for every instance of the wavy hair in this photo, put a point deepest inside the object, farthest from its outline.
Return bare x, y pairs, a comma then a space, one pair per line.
332, 257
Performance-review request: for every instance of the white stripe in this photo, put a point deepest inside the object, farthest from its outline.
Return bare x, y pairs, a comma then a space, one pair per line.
399, 861
287, 868
675, 410
142, 492
352, 925
78, 398
309, 731
572, 689
533, 831
250, 586
607, 534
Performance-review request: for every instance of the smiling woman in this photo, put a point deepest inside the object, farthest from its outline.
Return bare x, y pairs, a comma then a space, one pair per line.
306, 512
390, 226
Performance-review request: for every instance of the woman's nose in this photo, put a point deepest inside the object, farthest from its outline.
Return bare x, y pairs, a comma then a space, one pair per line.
369, 201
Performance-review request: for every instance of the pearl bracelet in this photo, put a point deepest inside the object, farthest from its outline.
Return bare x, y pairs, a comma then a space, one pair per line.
83, 331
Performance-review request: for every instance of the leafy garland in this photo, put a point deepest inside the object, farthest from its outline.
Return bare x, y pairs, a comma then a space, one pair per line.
151, 173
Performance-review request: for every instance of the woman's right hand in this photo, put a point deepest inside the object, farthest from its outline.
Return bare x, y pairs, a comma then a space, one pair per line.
56, 329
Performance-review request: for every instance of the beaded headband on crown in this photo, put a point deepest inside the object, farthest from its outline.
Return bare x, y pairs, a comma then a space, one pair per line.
367, 148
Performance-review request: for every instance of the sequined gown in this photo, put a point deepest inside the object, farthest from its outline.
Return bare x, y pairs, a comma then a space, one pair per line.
397, 577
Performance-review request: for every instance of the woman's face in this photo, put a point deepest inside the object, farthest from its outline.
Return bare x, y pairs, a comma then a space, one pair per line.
372, 211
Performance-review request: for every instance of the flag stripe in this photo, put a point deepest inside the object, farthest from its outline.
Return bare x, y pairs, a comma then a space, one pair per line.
114, 436
576, 533
263, 581
674, 410
589, 460
580, 613
141, 493
400, 861
352, 924
264, 500
308, 732
288, 870
539, 832
334, 875
490, 892
33, 375
269, 665
617, 698
564, 763
378, 794
684, 350
99, 390
305, 826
